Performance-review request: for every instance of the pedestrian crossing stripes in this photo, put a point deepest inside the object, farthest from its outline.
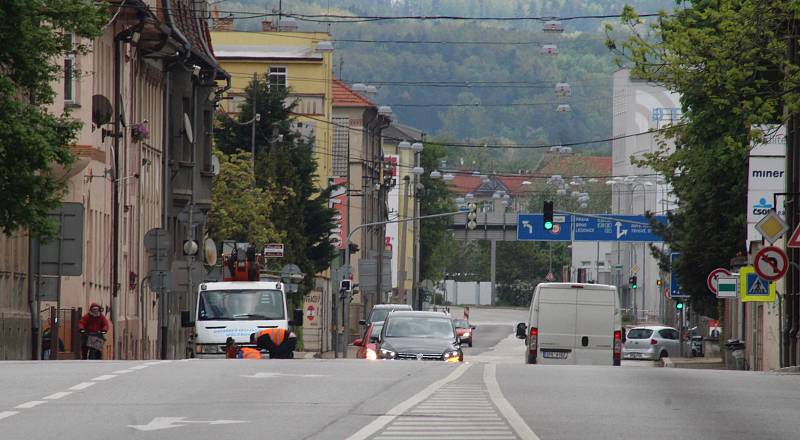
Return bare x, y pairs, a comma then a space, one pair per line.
455, 411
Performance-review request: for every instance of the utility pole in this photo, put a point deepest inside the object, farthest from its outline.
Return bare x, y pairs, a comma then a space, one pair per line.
403, 239
253, 123
789, 338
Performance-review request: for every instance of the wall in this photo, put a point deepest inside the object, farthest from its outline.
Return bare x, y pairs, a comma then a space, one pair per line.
15, 317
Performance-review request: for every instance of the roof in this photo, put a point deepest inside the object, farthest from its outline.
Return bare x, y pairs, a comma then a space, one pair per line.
571, 165
402, 132
344, 96
189, 20
271, 52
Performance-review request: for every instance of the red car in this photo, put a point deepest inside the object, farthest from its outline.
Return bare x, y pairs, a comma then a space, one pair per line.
367, 344
464, 330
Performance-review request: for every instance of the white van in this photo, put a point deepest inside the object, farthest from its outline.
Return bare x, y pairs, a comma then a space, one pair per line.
573, 324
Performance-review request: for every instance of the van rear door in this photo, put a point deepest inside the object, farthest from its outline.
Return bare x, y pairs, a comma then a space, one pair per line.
594, 329
556, 323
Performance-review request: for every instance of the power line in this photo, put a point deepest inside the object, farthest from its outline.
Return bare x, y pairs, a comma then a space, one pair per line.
340, 18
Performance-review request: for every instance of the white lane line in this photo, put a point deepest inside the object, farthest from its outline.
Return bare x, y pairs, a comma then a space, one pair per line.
139, 367
6, 414
505, 430
58, 395
105, 377
402, 407
157, 362
445, 436
122, 371
30, 404
505, 408
82, 386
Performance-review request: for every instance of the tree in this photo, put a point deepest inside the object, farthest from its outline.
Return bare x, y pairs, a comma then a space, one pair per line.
727, 60
239, 210
32, 36
284, 162
435, 238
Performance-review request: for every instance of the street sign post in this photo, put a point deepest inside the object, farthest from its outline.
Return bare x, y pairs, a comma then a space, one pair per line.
771, 263
727, 285
713, 279
794, 240
754, 288
630, 228
771, 227
674, 286
273, 250
530, 227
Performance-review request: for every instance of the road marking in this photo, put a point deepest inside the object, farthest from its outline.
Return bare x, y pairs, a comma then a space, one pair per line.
505, 408
159, 423
30, 404
82, 386
384, 420
6, 414
105, 377
157, 363
58, 395
122, 371
139, 367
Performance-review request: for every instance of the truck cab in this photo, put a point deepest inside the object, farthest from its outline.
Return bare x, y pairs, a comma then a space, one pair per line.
236, 309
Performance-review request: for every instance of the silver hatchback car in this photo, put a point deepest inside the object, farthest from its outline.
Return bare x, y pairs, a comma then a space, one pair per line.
651, 342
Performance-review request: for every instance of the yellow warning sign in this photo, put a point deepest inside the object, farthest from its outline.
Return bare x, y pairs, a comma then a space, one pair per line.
754, 288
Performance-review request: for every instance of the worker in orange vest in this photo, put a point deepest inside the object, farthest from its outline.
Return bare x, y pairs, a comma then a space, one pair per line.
250, 352
279, 342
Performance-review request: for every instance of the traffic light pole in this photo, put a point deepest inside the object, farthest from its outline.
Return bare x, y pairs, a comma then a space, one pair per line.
342, 346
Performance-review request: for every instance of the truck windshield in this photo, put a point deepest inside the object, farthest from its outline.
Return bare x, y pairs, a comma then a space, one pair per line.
232, 305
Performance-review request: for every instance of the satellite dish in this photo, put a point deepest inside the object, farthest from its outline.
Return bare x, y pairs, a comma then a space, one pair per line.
187, 128
101, 110
211, 252
215, 165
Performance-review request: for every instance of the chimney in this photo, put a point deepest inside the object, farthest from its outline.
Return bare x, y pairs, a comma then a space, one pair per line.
266, 26
221, 24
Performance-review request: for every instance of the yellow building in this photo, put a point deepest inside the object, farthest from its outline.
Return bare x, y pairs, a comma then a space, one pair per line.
300, 61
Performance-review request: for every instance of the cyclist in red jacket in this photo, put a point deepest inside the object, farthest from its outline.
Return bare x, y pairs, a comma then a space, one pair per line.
93, 322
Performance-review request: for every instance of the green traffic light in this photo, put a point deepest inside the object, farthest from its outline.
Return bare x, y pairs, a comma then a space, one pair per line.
548, 225
679, 305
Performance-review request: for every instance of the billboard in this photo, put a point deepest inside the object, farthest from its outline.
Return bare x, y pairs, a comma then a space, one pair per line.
766, 175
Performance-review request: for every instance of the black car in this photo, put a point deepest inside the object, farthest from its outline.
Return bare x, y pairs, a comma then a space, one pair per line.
428, 336
379, 312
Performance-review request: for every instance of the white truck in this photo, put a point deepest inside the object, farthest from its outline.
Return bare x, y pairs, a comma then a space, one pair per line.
245, 303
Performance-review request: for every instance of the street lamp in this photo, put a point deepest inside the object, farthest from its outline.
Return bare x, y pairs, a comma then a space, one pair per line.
292, 276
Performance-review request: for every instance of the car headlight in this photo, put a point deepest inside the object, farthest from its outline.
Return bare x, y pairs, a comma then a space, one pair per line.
387, 354
451, 355
371, 355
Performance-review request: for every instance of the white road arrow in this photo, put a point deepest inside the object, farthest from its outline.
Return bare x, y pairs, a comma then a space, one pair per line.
620, 231
177, 422
526, 224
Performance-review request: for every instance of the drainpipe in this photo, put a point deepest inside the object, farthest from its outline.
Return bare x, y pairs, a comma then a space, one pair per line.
115, 185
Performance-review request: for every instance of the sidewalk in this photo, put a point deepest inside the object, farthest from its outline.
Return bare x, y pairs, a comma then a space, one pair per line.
699, 363
351, 354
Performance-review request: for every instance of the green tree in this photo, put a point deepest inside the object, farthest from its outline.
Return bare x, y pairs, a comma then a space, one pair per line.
436, 198
239, 210
728, 61
284, 162
32, 37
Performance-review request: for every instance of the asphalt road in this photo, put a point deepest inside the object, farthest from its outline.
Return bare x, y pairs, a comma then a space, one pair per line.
492, 396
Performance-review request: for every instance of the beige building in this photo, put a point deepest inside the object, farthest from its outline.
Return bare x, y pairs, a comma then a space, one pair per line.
358, 166
118, 91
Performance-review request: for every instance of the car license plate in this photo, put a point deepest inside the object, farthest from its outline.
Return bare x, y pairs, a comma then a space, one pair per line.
554, 354
636, 355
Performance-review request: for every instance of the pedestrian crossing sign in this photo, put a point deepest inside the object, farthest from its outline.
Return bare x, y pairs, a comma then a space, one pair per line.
754, 288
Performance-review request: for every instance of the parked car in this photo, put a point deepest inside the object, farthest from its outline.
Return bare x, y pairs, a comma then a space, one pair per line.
379, 312
367, 345
409, 335
573, 324
464, 330
651, 342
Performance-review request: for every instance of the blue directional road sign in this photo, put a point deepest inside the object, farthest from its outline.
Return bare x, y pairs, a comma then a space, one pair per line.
674, 286
530, 227
630, 228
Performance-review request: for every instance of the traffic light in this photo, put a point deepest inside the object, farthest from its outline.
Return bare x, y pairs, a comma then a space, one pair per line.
659, 282
472, 215
548, 215
679, 305
632, 282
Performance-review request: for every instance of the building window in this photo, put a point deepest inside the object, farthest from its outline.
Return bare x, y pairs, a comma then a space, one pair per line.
69, 68
277, 77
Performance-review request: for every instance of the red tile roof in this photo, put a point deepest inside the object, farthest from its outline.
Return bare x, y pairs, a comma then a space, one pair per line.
343, 96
